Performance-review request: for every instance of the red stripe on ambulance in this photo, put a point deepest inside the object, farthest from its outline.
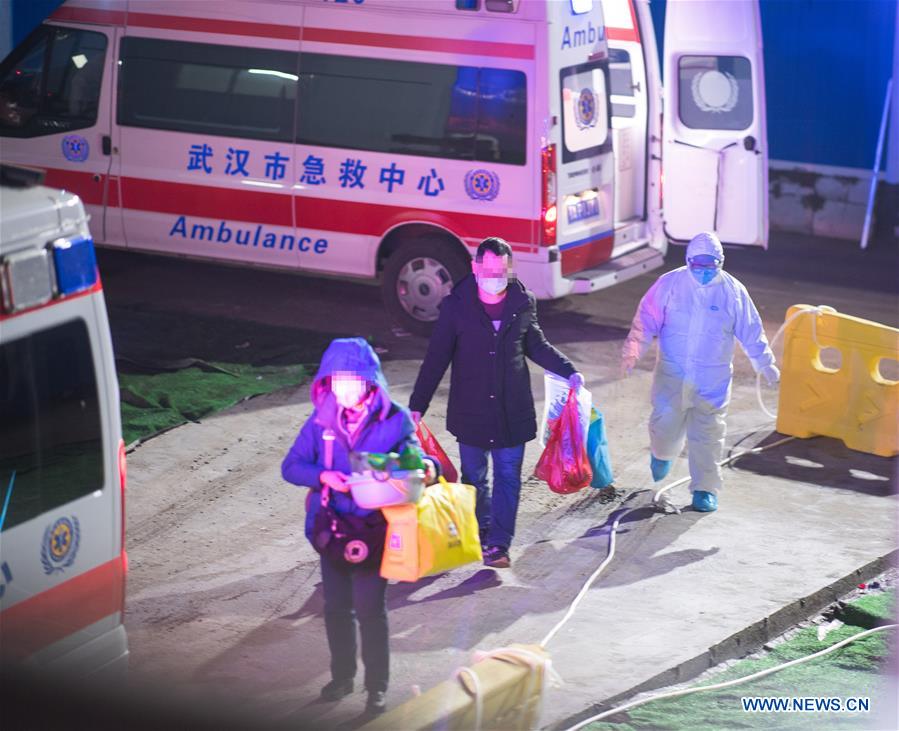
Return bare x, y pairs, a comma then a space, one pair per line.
415, 43
288, 32
371, 219
588, 255
323, 214
97, 287
50, 616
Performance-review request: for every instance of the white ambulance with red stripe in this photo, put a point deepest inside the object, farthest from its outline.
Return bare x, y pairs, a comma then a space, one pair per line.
62, 459
386, 138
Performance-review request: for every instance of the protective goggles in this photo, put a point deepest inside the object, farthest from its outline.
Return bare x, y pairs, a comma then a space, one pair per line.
704, 261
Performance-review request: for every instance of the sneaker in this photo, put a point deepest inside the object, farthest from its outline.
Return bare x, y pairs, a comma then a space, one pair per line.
659, 467
704, 502
497, 557
336, 689
376, 703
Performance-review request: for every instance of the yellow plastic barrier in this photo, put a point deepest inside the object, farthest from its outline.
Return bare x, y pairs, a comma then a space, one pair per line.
853, 402
509, 688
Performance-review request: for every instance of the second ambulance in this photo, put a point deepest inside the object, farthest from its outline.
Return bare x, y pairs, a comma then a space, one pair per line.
385, 138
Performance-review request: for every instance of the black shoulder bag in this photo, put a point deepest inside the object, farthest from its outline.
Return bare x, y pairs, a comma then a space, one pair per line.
348, 539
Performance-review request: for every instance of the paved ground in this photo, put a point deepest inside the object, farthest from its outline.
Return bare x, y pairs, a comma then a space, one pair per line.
224, 594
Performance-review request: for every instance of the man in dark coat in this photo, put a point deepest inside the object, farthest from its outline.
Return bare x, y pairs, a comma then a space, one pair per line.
486, 327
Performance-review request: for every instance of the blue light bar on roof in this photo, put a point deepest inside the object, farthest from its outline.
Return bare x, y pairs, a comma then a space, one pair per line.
76, 265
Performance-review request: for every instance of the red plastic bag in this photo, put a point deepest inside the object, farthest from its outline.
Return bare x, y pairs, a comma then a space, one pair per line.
564, 464
431, 447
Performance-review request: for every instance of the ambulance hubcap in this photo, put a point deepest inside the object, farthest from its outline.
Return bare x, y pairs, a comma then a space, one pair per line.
421, 285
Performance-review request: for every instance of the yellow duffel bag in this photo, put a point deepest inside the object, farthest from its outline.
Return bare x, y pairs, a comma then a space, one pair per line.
436, 534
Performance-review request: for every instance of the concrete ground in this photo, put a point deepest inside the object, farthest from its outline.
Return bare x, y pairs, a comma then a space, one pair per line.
224, 595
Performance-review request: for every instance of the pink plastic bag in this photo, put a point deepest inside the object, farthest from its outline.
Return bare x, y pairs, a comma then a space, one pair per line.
564, 464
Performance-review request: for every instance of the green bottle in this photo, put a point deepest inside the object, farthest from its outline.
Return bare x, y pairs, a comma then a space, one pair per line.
410, 459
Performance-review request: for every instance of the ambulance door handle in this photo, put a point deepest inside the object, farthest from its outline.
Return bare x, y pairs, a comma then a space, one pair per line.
749, 143
107, 145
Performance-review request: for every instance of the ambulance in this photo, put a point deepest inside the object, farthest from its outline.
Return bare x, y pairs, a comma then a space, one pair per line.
62, 459
384, 139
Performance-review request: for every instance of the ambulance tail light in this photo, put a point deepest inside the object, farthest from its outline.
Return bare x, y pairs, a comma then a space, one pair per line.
123, 483
549, 211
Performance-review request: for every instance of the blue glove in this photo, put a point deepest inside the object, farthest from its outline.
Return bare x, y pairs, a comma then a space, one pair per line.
576, 381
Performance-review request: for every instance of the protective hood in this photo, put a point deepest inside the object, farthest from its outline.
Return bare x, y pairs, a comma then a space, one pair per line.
705, 243
353, 355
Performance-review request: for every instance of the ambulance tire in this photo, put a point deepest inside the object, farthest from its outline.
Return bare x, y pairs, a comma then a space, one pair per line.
417, 276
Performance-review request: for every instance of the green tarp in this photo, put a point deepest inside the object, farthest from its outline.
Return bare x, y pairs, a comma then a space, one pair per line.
152, 403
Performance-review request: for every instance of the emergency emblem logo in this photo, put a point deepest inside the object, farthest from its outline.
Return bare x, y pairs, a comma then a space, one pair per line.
481, 185
60, 545
355, 551
585, 109
715, 91
75, 148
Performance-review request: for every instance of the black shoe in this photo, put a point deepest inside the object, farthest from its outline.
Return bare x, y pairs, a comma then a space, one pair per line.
497, 557
337, 689
376, 703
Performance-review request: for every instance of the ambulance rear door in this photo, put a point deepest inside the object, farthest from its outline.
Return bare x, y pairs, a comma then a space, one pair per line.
579, 82
715, 145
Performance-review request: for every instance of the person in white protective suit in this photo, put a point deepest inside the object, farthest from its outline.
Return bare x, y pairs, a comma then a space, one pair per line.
696, 311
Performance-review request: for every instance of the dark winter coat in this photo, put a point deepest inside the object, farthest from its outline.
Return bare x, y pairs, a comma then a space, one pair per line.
388, 427
490, 400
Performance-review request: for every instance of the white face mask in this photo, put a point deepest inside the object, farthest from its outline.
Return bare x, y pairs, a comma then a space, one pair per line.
348, 392
493, 285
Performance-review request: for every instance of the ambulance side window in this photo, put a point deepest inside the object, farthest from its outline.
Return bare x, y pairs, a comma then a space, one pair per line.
51, 83
621, 82
715, 92
410, 108
232, 91
51, 446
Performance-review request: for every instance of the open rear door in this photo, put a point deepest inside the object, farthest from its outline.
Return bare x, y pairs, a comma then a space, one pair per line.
715, 144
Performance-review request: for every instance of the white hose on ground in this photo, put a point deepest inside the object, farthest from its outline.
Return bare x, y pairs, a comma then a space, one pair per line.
819, 310
730, 683
614, 530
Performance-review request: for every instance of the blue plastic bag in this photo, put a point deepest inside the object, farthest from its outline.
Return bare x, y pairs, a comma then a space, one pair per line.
598, 450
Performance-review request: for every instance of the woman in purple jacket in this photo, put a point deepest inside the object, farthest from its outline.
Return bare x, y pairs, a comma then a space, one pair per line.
353, 412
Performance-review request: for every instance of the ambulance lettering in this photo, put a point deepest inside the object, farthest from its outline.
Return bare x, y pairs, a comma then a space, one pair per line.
583, 37
225, 233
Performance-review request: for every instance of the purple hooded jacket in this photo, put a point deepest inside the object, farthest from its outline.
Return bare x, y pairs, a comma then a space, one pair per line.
387, 428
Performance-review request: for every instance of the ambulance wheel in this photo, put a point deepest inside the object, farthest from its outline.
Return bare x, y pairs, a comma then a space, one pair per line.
417, 276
